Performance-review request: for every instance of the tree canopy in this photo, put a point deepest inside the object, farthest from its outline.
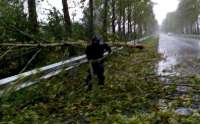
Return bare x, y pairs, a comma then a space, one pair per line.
118, 19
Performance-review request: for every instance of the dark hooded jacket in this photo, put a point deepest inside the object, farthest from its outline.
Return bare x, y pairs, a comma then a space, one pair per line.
96, 49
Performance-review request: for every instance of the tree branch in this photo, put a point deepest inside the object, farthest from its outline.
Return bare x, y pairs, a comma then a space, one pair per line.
32, 58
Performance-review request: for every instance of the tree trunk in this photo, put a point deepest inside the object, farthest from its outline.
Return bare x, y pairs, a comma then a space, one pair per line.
91, 19
119, 26
140, 30
135, 33
113, 16
32, 16
191, 31
120, 19
68, 27
198, 30
124, 22
129, 22
105, 17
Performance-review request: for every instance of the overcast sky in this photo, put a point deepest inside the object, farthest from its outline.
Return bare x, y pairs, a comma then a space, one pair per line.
163, 7
160, 9
74, 8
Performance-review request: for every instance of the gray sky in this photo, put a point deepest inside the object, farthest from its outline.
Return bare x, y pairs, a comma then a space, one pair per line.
75, 8
160, 9
163, 7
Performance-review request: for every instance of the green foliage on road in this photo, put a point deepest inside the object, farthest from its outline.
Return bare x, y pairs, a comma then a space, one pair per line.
130, 95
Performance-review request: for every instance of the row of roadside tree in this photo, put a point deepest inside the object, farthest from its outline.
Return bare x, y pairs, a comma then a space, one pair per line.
118, 19
185, 20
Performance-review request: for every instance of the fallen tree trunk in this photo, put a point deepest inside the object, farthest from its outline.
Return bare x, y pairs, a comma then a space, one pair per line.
41, 44
117, 44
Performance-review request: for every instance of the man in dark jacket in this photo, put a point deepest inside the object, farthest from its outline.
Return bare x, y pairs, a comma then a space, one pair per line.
95, 54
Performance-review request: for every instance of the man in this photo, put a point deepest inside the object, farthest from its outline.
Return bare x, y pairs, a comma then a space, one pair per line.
95, 54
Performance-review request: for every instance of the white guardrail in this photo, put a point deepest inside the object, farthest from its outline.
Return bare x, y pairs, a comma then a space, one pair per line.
27, 79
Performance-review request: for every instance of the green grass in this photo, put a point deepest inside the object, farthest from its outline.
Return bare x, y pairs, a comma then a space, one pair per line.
130, 95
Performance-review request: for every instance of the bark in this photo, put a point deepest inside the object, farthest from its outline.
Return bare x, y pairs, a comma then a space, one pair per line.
32, 16
198, 30
140, 30
191, 31
105, 17
91, 19
67, 20
124, 22
129, 22
119, 25
120, 20
135, 33
113, 16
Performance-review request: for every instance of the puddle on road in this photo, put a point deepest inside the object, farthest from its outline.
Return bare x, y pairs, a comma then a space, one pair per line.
166, 66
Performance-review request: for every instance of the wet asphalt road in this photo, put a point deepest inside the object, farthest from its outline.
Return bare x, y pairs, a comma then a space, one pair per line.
182, 58
182, 55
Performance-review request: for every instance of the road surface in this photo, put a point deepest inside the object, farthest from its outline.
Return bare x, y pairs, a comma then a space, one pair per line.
182, 55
